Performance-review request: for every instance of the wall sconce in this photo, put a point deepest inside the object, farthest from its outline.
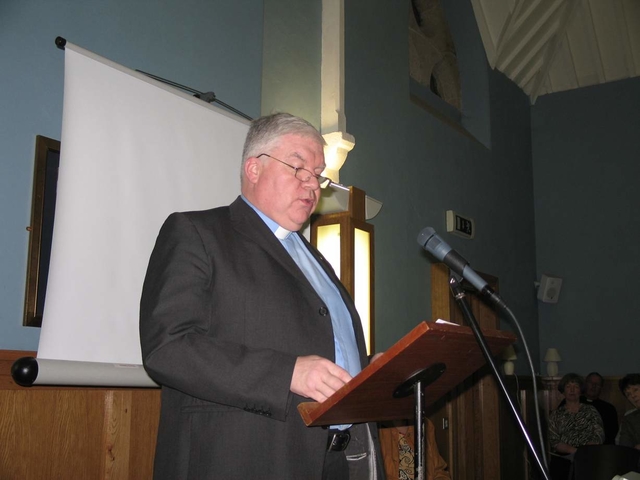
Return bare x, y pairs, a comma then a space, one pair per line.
346, 241
336, 197
552, 357
509, 355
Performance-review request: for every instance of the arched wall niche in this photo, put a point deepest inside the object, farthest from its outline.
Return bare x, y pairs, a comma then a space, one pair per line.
448, 67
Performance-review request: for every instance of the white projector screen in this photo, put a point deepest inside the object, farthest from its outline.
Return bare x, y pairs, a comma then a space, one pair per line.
133, 150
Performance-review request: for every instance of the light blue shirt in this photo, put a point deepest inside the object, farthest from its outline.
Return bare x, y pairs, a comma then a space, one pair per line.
344, 339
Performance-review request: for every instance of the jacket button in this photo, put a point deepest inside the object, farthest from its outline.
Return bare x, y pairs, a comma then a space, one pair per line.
324, 311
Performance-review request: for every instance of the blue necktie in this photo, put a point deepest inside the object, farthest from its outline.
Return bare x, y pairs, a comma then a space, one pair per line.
344, 338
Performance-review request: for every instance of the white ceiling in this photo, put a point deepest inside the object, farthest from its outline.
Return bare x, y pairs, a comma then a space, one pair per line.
548, 46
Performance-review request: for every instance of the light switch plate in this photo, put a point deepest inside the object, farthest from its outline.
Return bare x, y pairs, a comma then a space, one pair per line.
460, 225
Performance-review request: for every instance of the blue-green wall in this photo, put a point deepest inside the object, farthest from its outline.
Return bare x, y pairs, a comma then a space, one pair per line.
586, 151
584, 159
207, 45
292, 58
420, 167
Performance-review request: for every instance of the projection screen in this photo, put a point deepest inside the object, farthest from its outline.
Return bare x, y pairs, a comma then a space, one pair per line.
133, 151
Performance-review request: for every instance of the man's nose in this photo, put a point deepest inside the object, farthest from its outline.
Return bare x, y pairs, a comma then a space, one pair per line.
313, 183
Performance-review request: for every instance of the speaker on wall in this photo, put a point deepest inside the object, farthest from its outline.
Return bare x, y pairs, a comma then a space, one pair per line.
549, 289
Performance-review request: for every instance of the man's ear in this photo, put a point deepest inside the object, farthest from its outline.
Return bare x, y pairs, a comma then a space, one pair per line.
252, 168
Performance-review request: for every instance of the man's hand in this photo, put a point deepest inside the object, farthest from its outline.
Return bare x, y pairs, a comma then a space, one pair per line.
375, 357
317, 378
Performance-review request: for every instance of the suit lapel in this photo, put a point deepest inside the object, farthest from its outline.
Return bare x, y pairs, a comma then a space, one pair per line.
326, 266
249, 224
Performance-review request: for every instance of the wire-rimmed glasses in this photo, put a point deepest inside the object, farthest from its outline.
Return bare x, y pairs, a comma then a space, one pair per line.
302, 174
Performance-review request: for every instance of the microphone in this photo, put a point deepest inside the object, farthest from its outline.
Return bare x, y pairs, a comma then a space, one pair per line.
432, 243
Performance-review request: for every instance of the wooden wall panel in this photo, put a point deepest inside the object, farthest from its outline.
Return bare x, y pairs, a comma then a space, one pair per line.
145, 408
73, 432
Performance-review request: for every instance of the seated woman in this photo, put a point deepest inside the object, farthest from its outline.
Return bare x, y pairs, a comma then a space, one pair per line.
570, 426
630, 426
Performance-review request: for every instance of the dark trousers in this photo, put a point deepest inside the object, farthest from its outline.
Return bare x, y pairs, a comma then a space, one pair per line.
335, 466
559, 468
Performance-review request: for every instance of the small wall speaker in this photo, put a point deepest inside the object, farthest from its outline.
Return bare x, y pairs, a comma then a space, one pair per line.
549, 289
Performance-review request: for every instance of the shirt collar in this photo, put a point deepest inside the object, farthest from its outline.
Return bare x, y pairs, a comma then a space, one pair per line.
280, 232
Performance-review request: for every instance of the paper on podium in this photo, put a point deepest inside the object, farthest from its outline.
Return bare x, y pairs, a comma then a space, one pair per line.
368, 397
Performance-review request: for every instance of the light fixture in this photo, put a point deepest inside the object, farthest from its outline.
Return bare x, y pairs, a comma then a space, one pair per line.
335, 198
552, 357
346, 241
509, 355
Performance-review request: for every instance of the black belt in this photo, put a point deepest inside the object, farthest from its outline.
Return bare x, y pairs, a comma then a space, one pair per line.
338, 440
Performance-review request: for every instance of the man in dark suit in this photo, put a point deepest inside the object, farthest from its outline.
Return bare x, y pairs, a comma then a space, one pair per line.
592, 388
241, 320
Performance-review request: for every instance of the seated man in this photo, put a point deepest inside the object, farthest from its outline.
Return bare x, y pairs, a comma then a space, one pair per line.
592, 388
630, 426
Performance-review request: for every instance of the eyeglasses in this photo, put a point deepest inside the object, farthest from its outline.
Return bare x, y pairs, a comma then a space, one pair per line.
302, 174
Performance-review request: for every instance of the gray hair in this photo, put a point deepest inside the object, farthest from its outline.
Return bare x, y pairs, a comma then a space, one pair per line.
265, 132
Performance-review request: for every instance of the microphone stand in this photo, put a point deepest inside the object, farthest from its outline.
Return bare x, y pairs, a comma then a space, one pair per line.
460, 297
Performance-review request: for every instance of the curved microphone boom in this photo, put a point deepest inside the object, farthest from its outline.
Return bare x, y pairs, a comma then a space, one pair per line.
432, 243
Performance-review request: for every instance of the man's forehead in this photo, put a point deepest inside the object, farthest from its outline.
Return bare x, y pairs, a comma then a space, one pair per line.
305, 149
305, 157
305, 141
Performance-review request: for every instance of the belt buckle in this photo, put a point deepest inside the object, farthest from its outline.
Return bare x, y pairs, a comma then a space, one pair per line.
338, 440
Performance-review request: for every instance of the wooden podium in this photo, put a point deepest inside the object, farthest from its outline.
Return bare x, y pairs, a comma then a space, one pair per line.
369, 396
423, 366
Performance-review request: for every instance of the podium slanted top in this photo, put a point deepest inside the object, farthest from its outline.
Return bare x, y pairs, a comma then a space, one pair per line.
369, 396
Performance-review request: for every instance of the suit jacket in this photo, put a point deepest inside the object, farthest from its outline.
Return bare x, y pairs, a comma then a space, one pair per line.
609, 416
225, 312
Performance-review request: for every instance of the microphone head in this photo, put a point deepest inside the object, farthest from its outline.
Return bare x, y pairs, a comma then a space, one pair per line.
437, 247
425, 235
433, 244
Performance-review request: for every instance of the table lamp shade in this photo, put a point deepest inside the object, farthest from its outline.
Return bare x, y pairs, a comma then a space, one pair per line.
509, 353
552, 355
